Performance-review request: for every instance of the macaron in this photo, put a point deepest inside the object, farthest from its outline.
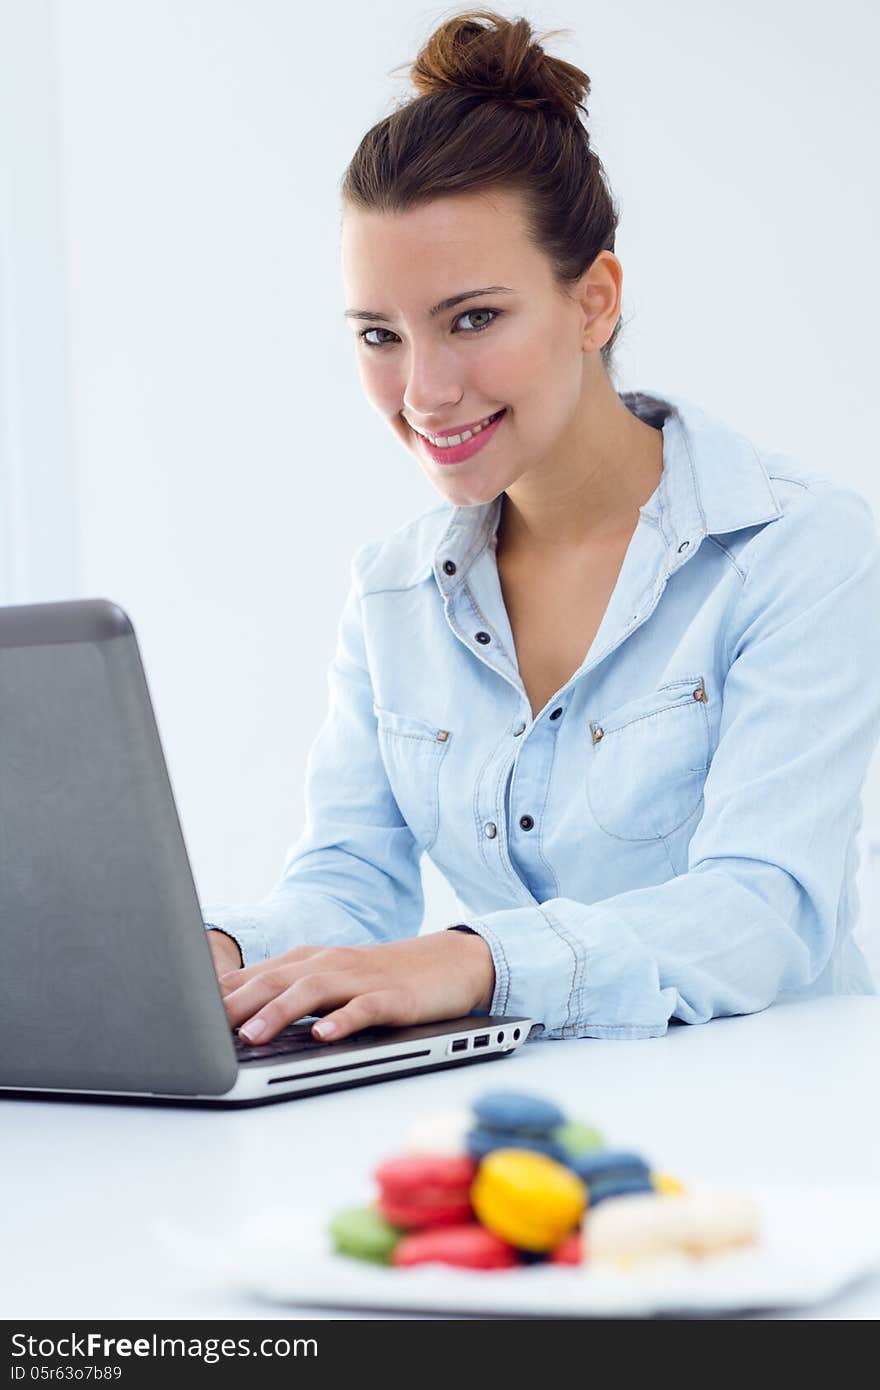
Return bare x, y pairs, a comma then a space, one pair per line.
667, 1184
417, 1190
364, 1233
612, 1173
515, 1120
469, 1245
601, 1162
443, 1133
528, 1199
577, 1138
481, 1142
617, 1186
571, 1251
636, 1229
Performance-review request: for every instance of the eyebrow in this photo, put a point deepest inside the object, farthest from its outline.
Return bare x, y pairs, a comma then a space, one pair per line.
449, 303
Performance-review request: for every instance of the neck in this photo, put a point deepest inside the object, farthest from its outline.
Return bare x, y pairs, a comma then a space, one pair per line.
604, 469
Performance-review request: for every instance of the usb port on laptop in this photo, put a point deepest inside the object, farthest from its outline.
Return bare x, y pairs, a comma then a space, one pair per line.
459, 1045
481, 1040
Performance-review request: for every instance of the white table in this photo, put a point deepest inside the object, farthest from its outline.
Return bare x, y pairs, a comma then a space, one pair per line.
787, 1096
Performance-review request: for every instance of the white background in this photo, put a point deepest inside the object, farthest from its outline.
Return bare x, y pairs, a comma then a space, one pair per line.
182, 428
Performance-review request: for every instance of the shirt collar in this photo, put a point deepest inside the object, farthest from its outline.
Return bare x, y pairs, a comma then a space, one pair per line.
713, 482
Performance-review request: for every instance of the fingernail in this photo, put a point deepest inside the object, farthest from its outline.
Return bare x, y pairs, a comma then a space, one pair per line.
253, 1030
325, 1029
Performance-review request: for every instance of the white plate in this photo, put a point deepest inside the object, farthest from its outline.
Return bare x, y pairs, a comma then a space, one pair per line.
814, 1243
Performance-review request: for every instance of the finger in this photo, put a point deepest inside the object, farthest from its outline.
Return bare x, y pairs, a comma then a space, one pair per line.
229, 980
280, 972
243, 996
293, 957
263, 1007
391, 1006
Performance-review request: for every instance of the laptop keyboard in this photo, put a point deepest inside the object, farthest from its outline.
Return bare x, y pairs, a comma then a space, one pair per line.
298, 1037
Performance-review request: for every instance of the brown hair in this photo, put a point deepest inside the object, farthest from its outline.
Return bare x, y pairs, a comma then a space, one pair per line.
494, 111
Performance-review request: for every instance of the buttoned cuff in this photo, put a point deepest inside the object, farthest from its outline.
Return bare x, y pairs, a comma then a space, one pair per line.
541, 972
512, 942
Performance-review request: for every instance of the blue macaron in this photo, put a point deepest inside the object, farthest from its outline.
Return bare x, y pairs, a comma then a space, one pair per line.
602, 1164
612, 1173
514, 1120
480, 1141
515, 1110
617, 1186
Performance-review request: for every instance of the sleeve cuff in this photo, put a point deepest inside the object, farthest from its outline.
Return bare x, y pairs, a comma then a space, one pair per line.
499, 1004
209, 926
247, 936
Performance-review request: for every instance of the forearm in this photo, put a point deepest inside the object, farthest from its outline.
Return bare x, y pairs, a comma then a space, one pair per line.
725, 939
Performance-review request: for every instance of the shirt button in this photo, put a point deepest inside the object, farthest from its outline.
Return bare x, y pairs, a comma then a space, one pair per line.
483, 637
556, 713
520, 729
449, 567
526, 822
490, 830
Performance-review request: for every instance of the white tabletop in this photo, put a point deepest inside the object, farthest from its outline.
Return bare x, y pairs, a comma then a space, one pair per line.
784, 1097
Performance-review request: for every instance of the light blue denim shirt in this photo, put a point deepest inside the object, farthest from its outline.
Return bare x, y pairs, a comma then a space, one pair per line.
674, 835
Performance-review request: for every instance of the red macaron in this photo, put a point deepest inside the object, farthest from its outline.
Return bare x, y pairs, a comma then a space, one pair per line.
570, 1252
417, 1190
469, 1246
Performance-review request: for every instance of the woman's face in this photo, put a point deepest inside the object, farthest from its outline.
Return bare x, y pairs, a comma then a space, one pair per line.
517, 347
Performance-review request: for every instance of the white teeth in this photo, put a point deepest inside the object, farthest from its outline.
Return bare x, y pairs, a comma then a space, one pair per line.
450, 441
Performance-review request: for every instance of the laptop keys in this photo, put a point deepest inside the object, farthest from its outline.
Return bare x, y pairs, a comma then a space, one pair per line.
297, 1037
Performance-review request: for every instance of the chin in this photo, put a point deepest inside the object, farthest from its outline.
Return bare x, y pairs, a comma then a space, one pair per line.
464, 496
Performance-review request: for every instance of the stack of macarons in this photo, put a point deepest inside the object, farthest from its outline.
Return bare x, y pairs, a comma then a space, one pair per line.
514, 1181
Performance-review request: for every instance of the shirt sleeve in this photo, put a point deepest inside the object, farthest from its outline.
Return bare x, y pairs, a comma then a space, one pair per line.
353, 876
755, 914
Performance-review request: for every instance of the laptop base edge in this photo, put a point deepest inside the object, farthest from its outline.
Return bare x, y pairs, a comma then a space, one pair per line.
219, 1103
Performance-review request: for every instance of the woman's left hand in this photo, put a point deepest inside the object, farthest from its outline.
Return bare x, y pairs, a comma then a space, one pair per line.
444, 974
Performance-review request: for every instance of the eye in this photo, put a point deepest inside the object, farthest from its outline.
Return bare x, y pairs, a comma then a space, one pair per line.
467, 313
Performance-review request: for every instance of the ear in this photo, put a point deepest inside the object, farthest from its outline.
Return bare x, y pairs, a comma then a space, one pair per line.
599, 292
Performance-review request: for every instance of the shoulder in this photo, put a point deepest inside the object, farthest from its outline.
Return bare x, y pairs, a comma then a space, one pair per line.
815, 567
825, 526
403, 559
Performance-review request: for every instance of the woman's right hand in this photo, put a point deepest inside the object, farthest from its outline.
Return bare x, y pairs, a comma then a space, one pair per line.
224, 951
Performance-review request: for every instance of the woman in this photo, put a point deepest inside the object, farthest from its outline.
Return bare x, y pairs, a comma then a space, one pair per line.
624, 690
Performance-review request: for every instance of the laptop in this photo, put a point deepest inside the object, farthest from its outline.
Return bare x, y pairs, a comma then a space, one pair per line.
107, 985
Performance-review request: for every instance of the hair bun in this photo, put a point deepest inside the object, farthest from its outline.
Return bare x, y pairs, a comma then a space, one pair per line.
499, 59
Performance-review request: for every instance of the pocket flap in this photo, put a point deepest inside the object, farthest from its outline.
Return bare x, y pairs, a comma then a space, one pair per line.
407, 726
686, 690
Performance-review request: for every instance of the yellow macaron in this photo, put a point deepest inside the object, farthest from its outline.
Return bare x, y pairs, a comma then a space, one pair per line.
667, 1185
527, 1198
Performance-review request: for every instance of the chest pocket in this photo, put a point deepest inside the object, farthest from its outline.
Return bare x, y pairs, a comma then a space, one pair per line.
413, 752
647, 761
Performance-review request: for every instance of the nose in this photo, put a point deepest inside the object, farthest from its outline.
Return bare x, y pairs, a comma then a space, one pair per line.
430, 391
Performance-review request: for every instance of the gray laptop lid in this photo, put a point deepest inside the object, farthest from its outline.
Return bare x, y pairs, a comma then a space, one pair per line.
106, 978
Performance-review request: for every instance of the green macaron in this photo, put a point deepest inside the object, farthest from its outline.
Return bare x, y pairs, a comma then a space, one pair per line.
364, 1233
577, 1138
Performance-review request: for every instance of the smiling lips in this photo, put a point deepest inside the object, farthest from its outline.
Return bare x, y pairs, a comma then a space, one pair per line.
449, 436
476, 438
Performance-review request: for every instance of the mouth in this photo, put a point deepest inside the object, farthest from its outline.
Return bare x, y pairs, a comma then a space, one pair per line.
464, 448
